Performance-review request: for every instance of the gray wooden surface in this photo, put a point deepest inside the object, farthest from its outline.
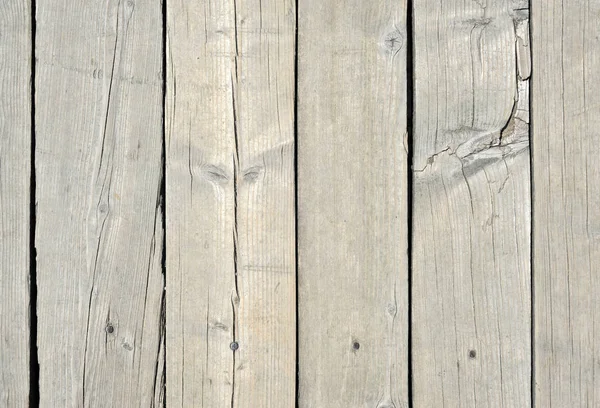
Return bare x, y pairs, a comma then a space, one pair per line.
471, 219
352, 204
199, 136
99, 225
230, 198
279, 147
15, 169
566, 170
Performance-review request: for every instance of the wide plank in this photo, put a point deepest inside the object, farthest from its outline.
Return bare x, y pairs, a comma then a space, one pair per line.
99, 232
15, 177
231, 284
352, 204
566, 223
471, 319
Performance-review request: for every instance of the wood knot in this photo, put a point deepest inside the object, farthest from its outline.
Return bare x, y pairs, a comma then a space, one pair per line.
392, 309
393, 42
478, 22
214, 174
103, 208
220, 326
252, 174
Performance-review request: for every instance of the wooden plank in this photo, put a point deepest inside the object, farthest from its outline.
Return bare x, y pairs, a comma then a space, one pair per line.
471, 205
99, 225
15, 176
230, 199
566, 147
352, 204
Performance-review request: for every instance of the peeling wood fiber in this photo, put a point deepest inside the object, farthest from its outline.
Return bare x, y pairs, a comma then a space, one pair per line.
314, 203
471, 205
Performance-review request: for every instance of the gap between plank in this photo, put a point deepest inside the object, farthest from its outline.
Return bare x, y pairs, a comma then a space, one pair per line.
409, 164
163, 200
34, 365
531, 207
297, 390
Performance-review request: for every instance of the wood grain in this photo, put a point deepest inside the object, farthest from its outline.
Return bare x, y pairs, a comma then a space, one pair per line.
99, 226
471, 205
230, 188
15, 177
566, 147
352, 204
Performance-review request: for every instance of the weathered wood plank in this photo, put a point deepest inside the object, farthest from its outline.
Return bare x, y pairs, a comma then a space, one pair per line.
99, 226
15, 175
566, 147
230, 199
471, 218
352, 204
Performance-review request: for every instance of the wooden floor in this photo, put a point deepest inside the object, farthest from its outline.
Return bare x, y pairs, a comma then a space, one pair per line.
312, 203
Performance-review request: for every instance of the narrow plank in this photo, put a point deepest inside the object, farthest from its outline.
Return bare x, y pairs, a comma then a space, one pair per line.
15, 175
99, 227
471, 205
230, 194
352, 204
566, 147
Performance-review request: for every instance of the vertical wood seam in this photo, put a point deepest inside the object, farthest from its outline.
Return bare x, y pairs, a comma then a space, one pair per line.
163, 203
409, 181
236, 164
297, 383
34, 366
532, 206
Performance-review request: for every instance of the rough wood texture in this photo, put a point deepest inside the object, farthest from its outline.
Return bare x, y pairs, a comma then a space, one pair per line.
230, 188
99, 234
471, 208
566, 148
352, 204
15, 165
